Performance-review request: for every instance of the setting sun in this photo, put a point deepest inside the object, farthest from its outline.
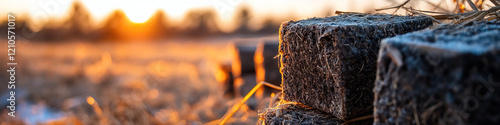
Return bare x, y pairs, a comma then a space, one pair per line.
138, 12
137, 17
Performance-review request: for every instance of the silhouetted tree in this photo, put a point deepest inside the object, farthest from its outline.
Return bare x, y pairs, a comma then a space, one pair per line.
200, 22
269, 27
159, 25
114, 25
78, 20
242, 19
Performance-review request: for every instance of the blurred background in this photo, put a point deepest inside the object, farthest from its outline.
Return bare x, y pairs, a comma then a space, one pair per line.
154, 61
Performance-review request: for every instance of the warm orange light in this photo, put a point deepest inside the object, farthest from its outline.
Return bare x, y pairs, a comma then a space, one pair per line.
258, 62
221, 76
90, 100
462, 7
96, 107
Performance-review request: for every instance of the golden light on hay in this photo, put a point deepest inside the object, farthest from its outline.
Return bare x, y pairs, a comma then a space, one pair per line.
221, 76
258, 60
238, 105
94, 105
462, 8
260, 93
260, 71
90, 100
236, 64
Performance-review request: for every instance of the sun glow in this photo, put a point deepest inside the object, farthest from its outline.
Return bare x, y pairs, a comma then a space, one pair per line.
137, 16
138, 12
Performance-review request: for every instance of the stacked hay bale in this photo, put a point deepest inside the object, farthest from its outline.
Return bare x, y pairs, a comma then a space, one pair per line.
224, 76
267, 66
446, 75
243, 69
329, 64
290, 113
253, 61
243, 55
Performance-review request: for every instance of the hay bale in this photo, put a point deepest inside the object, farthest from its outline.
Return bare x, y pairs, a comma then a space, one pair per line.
446, 75
225, 77
266, 66
242, 86
243, 53
330, 63
295, 114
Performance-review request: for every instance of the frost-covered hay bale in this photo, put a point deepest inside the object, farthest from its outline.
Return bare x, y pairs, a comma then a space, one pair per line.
243, 55
225, 77
447, 75
266, 66
242, 86
297, 114
330, 63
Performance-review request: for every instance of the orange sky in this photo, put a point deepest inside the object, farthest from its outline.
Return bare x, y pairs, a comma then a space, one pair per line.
141, 10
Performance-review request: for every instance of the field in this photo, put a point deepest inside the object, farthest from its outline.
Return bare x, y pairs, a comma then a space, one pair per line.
154, 82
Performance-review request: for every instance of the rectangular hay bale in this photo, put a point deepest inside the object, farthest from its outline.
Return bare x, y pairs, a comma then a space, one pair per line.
242, 86
225, 78
243, 55
446, 75
330, 63
267, 66
292, 113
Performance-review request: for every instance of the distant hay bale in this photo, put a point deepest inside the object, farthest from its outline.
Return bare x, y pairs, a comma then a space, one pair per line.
242, 86
266, 66
243, 53
225, 77
330, 63
446, 75
294, 114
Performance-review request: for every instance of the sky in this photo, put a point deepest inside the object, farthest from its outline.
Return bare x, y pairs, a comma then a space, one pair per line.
176, 8
141, 10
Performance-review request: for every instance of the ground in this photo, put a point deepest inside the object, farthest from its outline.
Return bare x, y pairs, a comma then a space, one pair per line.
161, 82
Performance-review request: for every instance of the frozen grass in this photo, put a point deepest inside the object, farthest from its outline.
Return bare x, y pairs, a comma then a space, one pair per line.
129, 83
479, 11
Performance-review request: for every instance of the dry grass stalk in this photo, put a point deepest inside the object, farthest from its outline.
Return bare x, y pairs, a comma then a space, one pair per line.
472, 5
97, 109
460, 17
478, 15
495, 2
358, 119
394, 7
237, 106
345, 12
